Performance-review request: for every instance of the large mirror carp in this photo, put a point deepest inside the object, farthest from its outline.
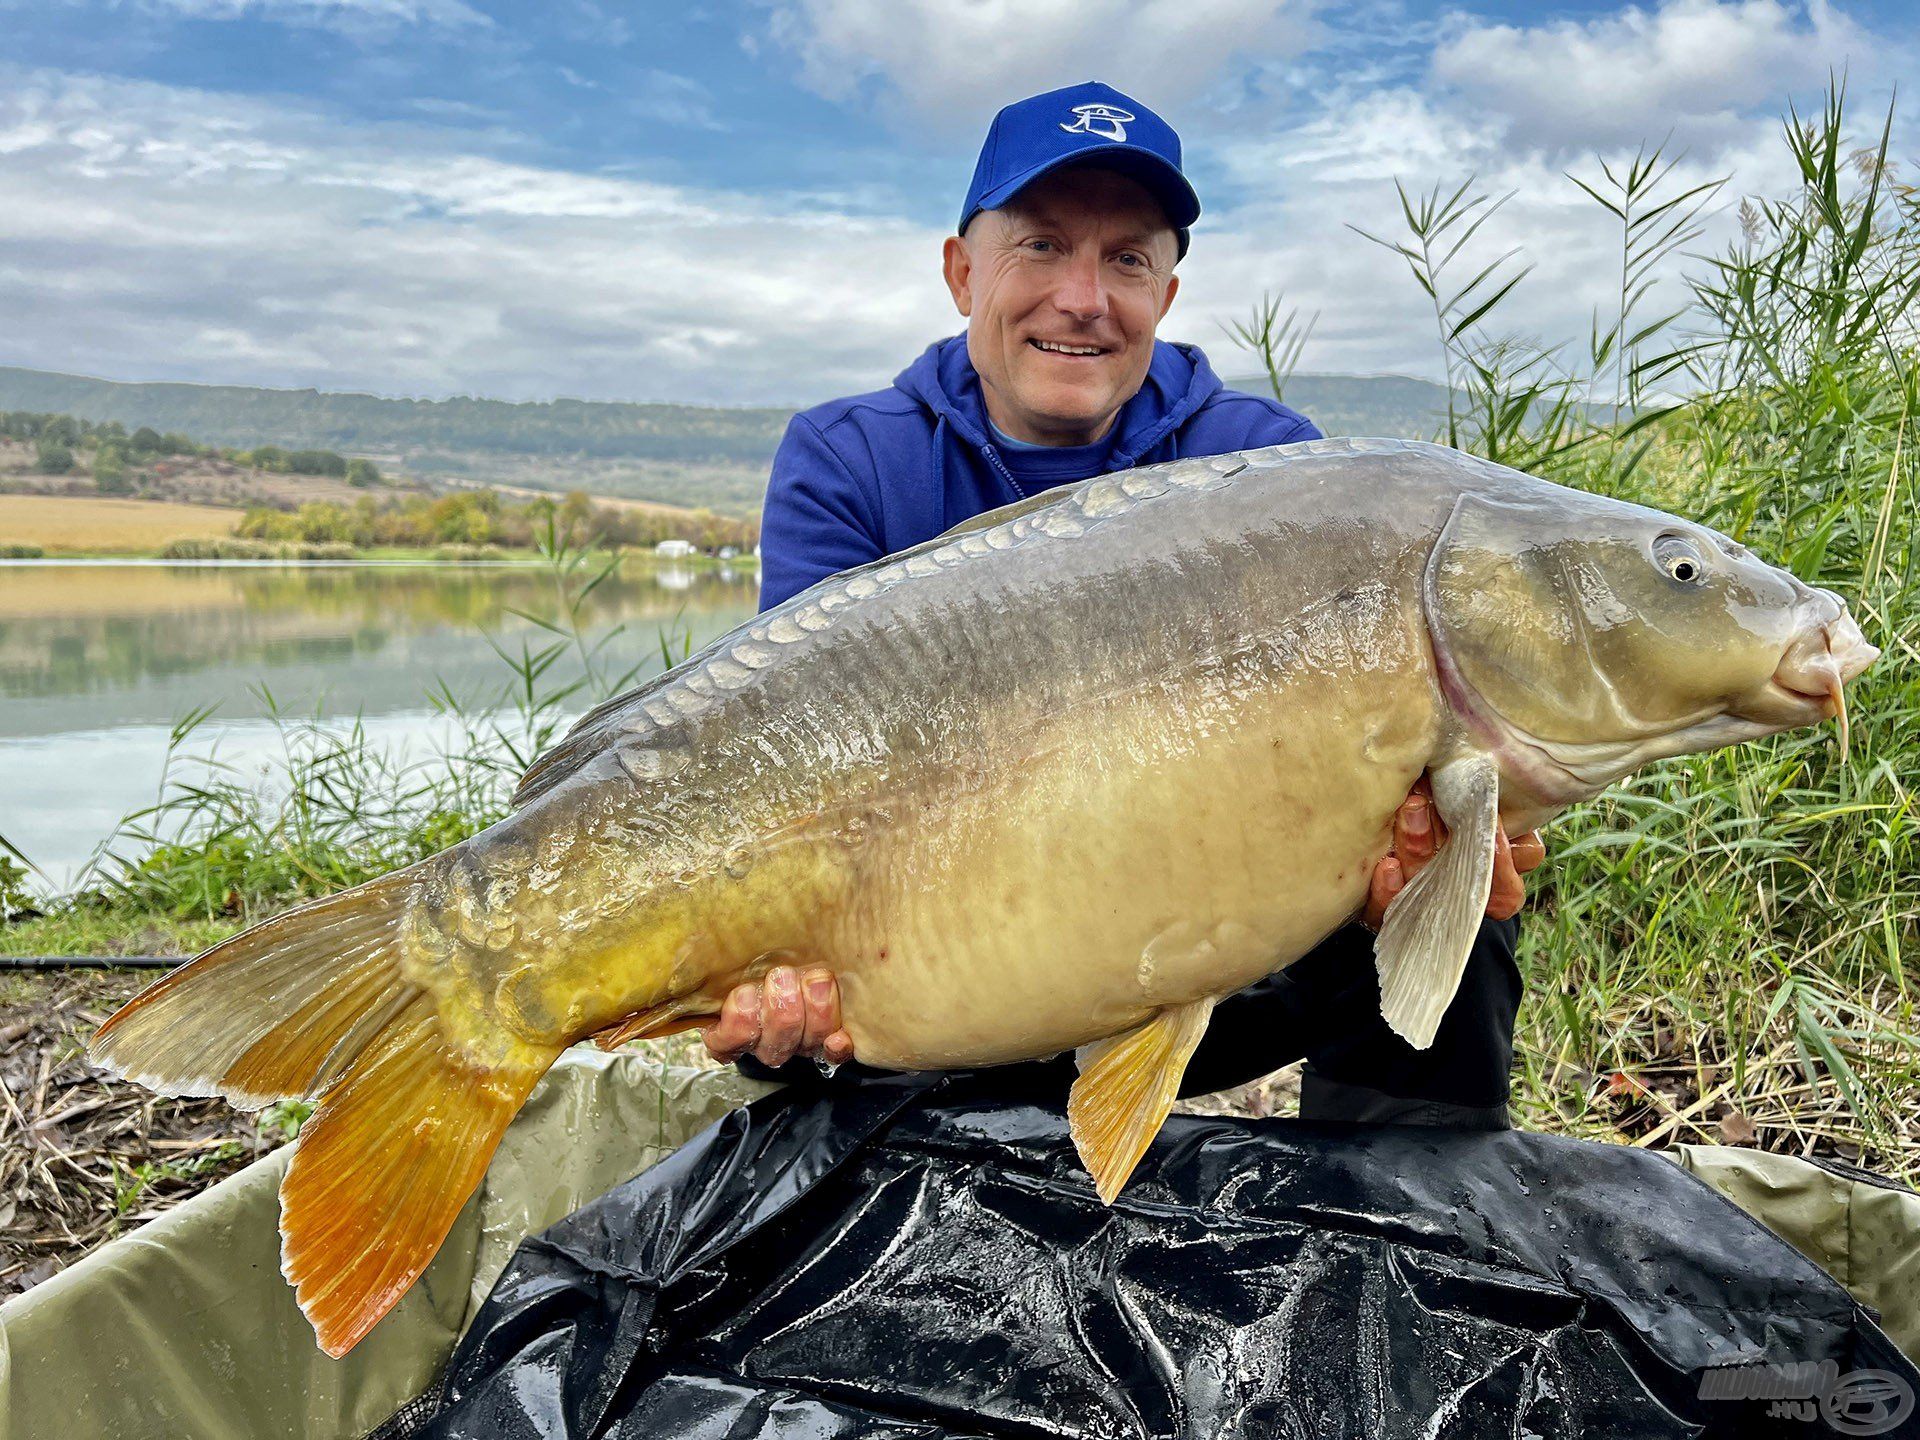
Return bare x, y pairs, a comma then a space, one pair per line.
1060, 778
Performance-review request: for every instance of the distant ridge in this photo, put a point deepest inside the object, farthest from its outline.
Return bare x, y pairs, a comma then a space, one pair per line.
691, 455
247, 415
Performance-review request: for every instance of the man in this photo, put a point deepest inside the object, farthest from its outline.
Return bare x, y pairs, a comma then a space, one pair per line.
1063, 266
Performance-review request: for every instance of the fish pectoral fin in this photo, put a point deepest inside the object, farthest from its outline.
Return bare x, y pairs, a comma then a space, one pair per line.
1126, 1087
1430, 926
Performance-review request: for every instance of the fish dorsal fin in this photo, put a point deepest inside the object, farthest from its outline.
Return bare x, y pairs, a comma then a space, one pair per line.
1431, 925
1126, 1087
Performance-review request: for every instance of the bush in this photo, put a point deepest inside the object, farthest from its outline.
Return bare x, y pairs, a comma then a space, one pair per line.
235, 549
21, 552
243, 548
53, 457
110, 471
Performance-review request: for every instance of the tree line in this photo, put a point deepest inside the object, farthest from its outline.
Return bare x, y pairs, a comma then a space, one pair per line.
486, 518
117, 453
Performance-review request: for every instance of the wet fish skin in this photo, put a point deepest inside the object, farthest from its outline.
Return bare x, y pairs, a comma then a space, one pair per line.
1056, 780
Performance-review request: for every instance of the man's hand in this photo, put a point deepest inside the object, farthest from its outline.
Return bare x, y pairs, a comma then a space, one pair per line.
786, 1014
1418, 833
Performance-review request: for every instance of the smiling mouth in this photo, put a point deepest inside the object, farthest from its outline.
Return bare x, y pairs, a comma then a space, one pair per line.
1067, 351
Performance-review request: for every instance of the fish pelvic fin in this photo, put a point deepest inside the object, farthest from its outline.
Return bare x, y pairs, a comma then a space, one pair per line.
1430, 926
1127, 1086
385, 1164
313, 1003
654, 1023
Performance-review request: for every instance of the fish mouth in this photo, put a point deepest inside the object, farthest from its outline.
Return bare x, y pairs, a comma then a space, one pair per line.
1809, 683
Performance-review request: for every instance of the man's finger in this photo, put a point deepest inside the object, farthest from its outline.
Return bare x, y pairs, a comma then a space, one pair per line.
738, 1028
783, 1020
1508, 892
1388, 881
1413, 838
821, 998
1529, 851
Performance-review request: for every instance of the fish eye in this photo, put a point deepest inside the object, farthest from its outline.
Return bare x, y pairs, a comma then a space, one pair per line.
1680, 558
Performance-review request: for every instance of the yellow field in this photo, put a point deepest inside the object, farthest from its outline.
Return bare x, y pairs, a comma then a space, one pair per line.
66, 524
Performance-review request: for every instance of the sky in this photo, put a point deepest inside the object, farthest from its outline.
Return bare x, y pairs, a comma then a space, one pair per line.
745, 203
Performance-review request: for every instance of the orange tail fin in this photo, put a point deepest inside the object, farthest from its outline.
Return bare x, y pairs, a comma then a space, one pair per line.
313, 1003
383, 1167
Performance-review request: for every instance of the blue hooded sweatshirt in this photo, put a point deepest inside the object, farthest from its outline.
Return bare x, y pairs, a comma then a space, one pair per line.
859, 478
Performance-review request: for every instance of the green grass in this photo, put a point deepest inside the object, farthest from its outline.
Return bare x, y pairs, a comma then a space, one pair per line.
107, 929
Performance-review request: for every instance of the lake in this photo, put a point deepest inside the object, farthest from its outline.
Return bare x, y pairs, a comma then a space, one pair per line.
100, 659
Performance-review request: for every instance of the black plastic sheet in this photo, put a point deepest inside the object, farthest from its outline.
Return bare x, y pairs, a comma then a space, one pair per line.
926, 1258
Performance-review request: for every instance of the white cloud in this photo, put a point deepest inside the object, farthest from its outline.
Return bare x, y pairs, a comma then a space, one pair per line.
1695, 67
955, 62
153, 232
1517, 108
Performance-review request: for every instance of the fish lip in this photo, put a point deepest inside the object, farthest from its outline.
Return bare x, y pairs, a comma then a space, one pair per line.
1820, 700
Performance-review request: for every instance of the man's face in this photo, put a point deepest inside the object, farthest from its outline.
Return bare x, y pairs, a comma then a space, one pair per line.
1082, 258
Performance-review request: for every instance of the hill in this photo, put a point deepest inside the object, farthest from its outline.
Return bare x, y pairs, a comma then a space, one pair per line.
686, 455
73, 485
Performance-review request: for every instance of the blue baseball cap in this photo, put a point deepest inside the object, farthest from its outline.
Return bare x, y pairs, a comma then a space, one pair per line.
1035, 137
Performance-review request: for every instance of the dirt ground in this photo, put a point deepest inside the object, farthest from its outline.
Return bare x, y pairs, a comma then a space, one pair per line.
91, 524
84, 1157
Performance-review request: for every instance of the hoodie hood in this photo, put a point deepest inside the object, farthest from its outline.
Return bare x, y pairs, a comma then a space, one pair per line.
1179, 381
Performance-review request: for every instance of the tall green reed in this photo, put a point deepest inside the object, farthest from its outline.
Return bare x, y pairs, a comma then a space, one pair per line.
1725, 945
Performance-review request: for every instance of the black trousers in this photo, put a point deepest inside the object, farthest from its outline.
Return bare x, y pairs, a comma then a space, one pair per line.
1325, 1008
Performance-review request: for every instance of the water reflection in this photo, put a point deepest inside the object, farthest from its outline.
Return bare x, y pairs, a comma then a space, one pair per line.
97, 661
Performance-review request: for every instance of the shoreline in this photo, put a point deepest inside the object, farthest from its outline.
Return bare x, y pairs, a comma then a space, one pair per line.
383, 556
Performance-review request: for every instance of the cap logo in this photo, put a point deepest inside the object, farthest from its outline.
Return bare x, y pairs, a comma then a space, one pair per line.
1107, 121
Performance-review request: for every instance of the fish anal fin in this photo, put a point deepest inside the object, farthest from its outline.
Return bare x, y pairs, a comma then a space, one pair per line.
1126, 1087
1431, 925
384, 1165
654, 1023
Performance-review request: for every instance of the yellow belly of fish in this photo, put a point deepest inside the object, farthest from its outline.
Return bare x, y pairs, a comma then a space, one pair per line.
1125, 869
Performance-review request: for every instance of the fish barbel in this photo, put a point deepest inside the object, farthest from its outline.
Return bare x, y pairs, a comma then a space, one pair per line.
1060, 778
